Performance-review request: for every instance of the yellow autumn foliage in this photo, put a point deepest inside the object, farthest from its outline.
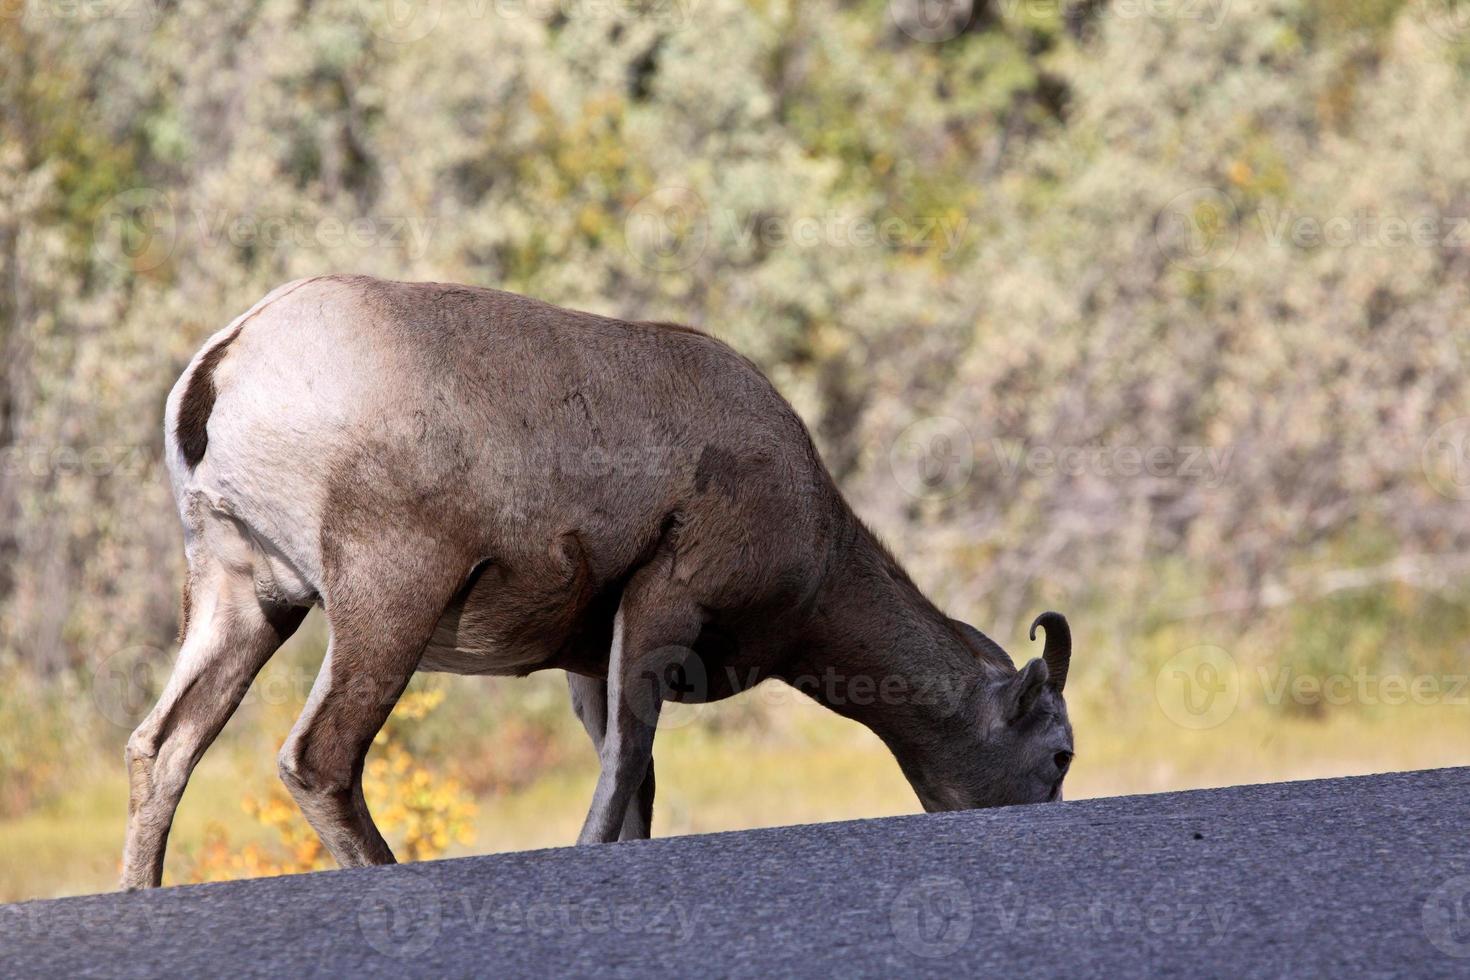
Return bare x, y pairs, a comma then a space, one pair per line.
420, 810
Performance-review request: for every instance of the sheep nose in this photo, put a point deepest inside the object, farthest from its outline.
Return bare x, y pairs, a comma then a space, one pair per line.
1063, 761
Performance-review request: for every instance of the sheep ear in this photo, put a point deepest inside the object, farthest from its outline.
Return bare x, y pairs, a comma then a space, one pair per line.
1024, 689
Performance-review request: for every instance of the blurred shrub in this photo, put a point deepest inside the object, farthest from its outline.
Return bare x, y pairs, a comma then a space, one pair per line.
41, 746
425, 810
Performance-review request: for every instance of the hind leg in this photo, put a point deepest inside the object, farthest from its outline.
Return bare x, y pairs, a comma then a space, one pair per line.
231, 633
381, 616
589, 700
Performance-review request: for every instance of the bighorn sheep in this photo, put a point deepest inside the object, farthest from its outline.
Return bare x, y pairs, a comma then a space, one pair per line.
468, 480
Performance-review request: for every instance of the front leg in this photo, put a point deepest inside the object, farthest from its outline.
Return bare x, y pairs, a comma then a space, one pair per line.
654, 631
589, 701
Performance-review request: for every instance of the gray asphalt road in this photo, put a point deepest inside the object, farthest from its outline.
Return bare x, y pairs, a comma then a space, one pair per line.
1367, 876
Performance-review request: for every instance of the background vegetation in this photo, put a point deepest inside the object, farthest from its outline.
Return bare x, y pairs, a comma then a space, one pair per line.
1153, 312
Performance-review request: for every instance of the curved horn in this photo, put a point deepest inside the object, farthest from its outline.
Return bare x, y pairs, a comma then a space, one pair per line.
1058, 650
